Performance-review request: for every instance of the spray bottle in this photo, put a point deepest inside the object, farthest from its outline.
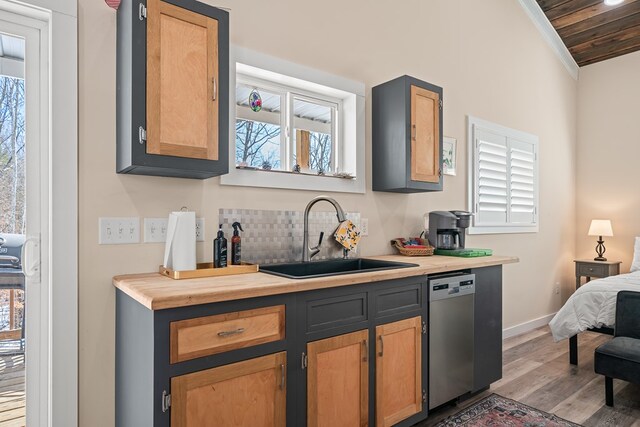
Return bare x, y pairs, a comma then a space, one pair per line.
236, 257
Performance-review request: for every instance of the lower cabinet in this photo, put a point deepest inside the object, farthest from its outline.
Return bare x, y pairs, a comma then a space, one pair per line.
398, 371
250, 393
338, 381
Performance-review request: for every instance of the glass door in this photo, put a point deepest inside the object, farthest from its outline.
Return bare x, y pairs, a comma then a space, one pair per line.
23, 210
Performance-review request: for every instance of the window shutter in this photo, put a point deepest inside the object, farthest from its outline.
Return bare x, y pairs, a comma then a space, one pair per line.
503, 179
522, 176
492, 184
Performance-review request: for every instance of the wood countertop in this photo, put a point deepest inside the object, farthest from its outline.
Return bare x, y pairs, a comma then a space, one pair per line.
157, 292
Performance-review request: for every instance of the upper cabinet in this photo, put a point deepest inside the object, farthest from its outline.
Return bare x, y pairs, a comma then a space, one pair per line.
173, 89
407, 136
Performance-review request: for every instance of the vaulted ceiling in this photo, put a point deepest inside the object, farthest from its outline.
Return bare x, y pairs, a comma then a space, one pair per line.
593, 31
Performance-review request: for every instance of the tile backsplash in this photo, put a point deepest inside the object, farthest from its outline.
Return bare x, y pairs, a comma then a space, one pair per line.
272, 237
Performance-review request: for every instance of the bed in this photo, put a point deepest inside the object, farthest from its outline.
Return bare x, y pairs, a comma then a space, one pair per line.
591, 307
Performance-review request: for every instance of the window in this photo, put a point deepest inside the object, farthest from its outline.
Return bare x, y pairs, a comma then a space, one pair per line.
294, 127
503, 186
285, 129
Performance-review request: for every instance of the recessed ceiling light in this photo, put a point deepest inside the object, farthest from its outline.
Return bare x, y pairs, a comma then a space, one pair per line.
612, 2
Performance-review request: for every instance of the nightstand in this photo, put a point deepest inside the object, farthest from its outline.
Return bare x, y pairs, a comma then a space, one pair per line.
589, 268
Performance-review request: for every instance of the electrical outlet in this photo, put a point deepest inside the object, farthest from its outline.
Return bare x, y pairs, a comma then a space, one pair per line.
364, 226
118, 231
556, 289
155, 230
200, 230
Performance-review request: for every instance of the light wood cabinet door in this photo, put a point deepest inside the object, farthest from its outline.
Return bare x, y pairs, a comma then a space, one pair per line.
398, 371
425, 135
251, 393
182, 82
338, 381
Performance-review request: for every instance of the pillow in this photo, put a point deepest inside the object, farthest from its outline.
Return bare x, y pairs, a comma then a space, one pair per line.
635, 265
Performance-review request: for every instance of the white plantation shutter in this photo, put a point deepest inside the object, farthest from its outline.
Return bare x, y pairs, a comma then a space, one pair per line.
492, 184
503, 179
523, 182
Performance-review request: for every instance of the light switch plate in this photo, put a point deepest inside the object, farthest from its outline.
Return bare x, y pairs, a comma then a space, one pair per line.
118, 231
155, 230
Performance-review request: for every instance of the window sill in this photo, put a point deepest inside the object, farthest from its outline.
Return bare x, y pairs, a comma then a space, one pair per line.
255, 169
515, 229
251, 177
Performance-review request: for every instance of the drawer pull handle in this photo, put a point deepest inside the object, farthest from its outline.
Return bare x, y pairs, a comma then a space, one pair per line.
281, 376
225, 334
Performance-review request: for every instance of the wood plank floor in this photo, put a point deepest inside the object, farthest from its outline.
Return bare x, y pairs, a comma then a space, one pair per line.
536, 372
12, 395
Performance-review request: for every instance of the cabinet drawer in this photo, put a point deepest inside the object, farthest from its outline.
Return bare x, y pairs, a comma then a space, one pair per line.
398, 300
330, 313
203, 336
593, 270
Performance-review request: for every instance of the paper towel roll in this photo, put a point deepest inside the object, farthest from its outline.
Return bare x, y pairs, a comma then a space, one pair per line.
180, 249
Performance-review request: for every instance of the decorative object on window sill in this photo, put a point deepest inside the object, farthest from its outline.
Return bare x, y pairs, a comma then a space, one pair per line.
449, 155
344, 175
321, 172
113, 4
600, 228
296, 168
255, 101
266, 165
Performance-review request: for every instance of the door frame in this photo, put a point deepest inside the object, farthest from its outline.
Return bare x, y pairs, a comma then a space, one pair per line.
57, 386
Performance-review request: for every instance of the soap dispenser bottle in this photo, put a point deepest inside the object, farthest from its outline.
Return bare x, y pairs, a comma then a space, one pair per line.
236, 257
220, 250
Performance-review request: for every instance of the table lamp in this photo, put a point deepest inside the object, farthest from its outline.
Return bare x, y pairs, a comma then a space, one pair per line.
600, 228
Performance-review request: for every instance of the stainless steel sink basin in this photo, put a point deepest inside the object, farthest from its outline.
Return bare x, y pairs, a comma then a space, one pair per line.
334, 267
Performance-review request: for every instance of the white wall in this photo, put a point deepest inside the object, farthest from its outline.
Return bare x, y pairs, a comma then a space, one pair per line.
488, 57
608, 153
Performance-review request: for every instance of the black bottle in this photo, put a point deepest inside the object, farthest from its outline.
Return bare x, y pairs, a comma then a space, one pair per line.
220, 250
236, 257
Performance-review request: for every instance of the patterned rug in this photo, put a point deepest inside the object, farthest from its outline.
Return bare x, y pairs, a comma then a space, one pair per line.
498, 411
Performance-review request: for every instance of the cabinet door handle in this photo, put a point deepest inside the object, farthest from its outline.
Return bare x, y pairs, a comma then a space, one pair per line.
414, 132
215, 89
281, 376
365, 343
381, 346
224, 334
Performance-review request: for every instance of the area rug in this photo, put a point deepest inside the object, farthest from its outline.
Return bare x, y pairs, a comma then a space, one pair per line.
498, 411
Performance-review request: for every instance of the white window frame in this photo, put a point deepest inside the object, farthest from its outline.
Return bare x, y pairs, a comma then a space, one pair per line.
511, 135
317, 85
288, 95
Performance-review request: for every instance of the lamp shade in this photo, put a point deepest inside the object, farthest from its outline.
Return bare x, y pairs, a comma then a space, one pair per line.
601, 227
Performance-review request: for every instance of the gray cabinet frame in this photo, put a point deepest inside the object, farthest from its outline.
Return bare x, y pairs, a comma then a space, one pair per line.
144, 371
131, 90
391, 136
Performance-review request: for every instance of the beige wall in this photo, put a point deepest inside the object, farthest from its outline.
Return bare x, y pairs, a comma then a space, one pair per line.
607, 157
487, 55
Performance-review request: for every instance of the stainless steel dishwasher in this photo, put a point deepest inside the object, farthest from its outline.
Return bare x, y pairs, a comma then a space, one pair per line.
450, 337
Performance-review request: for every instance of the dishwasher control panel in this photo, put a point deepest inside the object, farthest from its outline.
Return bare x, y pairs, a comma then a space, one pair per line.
450, 287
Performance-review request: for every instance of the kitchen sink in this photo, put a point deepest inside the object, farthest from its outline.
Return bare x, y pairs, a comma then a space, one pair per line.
333, 267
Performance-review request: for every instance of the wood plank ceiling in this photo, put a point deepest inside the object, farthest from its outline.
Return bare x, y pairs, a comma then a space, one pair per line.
593, 31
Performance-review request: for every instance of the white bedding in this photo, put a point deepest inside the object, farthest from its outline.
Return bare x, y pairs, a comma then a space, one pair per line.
592, 305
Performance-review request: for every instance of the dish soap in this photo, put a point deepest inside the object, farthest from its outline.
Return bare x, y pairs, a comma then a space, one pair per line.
220, 250
236, 257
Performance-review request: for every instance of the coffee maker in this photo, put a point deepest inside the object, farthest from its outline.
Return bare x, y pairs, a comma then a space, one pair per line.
447, 229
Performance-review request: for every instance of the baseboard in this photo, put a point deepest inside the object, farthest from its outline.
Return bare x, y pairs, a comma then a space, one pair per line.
526, 326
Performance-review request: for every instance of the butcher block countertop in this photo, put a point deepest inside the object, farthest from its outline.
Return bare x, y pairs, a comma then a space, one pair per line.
157, 292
